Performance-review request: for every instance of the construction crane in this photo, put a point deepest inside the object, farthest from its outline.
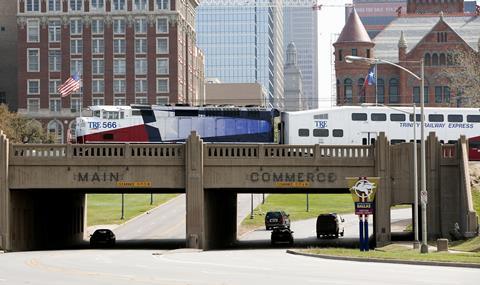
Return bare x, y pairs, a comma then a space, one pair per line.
314, 4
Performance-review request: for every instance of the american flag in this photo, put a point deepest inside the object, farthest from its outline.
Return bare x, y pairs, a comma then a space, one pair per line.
71, 85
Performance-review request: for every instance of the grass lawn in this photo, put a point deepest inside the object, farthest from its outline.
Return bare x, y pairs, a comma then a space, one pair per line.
399, 252
105, 209
476, 199
472, 245
296, 206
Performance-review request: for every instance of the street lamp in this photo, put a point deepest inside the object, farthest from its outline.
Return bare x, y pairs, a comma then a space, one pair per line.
423, 192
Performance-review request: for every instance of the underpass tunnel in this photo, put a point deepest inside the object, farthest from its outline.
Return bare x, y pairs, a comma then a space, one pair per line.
46, 219
220, 218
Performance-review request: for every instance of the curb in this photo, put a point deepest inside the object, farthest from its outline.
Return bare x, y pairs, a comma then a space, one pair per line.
411, 262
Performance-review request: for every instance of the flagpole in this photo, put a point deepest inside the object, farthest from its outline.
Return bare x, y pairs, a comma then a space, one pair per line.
376, 84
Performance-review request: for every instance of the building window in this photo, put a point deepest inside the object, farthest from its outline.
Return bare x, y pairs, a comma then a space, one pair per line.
76, 66
438, 94
446, 94
162, 25
33, 31
98, 101
118, 5
98, 86
33, 105
427, 59
3, 98
162, 85
340, 55
54, 5
119, 86
380, 91
368, 52
76, 27
140, 66
442, 37
162, 45
97, 26
33, 86
162, 66
96, 5
141, 46
361, 90
354, 51
140, 26
140, 86
142, 100
53, 86
76, 46
119, 26
32, 5
119, 46
348, 92
435, 59
97, 46
75, 104
55, 104
76, 5
393, 95
54, 31
163, 4
119, 66
97, 66
140, 5
416, 94
119, 101
33, 60
54, 60
443, 59
162, 100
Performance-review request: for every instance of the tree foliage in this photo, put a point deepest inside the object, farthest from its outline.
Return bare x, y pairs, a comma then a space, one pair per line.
466, 78
18, 128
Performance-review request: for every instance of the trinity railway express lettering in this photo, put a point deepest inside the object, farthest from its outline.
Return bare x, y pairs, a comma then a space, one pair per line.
440, 125
292, 177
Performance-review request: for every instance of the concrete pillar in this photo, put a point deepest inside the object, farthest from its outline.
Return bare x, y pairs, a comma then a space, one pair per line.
383, 198
194, 192
4, 193
432, 156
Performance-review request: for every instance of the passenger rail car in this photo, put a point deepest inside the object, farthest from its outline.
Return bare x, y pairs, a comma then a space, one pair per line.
360, 125
150, 124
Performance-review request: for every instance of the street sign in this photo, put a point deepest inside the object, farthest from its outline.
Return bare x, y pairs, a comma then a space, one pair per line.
364, 208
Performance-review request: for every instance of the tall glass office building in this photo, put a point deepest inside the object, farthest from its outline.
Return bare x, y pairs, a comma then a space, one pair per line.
300, 27
243, 42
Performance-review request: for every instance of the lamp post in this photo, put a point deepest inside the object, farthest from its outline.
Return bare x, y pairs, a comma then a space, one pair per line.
421, 78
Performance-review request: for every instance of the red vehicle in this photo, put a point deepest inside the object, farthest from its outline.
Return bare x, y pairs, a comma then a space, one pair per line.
474, 148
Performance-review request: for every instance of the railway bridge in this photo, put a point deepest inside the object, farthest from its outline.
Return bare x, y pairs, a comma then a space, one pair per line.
43, 187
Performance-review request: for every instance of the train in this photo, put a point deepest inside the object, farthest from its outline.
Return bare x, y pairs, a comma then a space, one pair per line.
346, 125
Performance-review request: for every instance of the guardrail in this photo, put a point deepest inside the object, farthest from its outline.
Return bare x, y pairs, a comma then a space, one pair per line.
449, 151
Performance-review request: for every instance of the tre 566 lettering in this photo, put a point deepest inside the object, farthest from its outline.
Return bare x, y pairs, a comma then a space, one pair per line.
102, 125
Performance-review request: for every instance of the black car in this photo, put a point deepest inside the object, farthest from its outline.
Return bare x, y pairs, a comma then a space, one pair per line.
282, 235
103, 237
277, 219
330, 225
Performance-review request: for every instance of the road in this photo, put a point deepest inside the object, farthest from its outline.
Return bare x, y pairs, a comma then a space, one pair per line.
168, 220
178, 267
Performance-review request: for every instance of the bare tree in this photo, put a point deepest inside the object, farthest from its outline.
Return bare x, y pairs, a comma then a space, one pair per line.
465, 78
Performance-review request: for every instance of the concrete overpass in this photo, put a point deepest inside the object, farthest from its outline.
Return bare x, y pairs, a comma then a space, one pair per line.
43, 187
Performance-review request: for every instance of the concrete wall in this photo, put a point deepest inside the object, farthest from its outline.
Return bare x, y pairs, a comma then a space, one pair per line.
4, 193
238, 94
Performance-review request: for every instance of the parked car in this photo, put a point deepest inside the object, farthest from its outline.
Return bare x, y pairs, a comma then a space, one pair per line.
277, 219
102, 237
329, 225
282, 235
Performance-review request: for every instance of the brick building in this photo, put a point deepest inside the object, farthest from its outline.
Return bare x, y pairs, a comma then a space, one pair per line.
126, 52
430, 30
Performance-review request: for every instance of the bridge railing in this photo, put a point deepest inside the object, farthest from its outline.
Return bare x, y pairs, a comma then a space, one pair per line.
449, 151
53, 151
214, 151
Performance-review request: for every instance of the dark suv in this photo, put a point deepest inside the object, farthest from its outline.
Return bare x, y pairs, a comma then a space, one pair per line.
102, 237
329, 225
277, 219
282, 235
